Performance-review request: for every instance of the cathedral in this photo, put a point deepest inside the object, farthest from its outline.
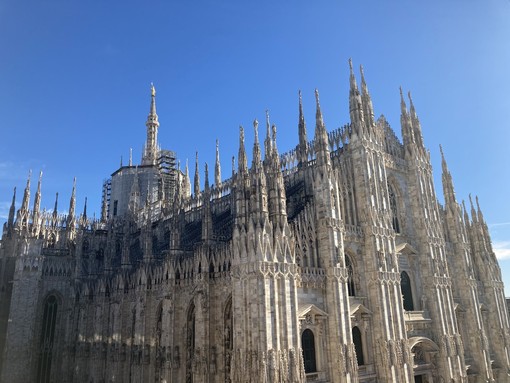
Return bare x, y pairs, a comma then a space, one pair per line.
332, 262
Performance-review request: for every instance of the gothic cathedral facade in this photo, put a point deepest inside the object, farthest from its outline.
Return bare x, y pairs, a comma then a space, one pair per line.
333, 262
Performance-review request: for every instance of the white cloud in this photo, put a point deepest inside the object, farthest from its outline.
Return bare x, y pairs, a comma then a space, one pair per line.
502, 249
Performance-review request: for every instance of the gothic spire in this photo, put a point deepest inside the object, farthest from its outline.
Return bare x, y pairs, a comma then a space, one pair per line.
206, 180
196, 183
37, 200
474, 216
321, 136
72, 204
405, 122
26, 194
415, 122
268, 147
448, 190
479, 211
242, 160
55, 208
368, 109
85, 209
276, 155
217, 167
256, 146
187, 181
10, 220
152, 124
355, 103
258, 205
303, 140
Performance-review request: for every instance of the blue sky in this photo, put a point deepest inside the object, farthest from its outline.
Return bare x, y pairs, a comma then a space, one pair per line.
75, 84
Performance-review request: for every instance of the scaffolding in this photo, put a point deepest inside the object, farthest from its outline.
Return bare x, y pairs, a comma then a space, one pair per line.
167, 165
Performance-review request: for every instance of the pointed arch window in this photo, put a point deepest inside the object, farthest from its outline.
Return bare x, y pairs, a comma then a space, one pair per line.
358, 345
228, 338
51, 242
47, 339
308, 346
350, 276
407, 293
393, 209
190, 343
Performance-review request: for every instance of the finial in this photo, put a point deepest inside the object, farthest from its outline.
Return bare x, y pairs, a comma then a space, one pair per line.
26, 195
318, 113
196, 184
217, 167
85, 208
130, 156
55, 208
37, 200
206, 181
267, 141
403, 106
241, 134
242, 160
275, 148
256, 130
411, 105
350, 66
153, 90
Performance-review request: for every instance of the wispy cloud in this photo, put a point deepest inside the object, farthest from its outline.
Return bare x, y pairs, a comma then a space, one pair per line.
502, 249
499, 224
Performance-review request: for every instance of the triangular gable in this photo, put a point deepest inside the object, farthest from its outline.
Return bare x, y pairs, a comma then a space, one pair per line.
311, 309
458, 308
405, 248
358, 308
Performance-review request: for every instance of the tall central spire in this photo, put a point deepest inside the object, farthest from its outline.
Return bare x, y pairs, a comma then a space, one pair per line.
150, 150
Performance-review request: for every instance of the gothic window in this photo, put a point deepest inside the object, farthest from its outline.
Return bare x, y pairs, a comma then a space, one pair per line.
228, 336
47, 339
52, 241
358, 345
190, 343
308, 346
350, 275
160, 357
118, 249
405, 286
85, 246
393, 209
154, 244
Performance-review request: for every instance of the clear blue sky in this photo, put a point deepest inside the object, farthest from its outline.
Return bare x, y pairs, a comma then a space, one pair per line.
75, 77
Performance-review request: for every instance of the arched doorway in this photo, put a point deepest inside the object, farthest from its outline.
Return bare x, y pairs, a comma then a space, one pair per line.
308, 346
47, 339
407, 293
358, 345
